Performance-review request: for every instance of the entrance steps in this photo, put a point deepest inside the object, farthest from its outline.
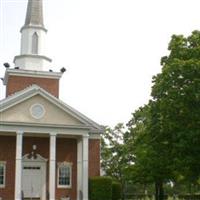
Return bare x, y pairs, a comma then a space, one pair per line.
31, 199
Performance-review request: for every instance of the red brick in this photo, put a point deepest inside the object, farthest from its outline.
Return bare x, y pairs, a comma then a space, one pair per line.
7, 153
94, 157
17, 83
67, 151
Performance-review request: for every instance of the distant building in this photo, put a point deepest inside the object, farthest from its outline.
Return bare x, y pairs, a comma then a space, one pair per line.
47, 148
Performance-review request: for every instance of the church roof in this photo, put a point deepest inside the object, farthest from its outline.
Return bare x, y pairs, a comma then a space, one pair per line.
34, 15
33, 90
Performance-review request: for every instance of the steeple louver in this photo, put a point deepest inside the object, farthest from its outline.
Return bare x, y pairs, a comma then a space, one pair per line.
34, 15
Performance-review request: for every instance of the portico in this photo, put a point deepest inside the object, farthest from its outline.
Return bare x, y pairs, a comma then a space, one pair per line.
26, 161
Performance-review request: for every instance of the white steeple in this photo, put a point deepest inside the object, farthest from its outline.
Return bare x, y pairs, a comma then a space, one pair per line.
33, 35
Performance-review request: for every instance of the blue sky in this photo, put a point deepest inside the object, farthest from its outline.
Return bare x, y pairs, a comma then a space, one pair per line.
111, 48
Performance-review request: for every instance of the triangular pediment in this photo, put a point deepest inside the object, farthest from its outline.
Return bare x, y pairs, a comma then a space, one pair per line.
35, 105
37, 109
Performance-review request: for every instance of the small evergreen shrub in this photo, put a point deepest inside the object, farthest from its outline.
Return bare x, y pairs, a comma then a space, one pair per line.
100, 188
116, 191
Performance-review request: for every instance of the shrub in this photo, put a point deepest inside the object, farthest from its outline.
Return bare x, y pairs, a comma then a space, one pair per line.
100, 188
116, 190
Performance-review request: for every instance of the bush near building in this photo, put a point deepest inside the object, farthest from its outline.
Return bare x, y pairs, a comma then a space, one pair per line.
100, 188
116, 190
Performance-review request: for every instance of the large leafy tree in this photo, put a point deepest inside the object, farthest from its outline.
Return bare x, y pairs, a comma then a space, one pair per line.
166, 132
162, 143
151, 149
176, 92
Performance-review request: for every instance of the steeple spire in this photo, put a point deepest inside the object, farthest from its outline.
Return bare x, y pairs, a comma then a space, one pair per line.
34, 15
33, 35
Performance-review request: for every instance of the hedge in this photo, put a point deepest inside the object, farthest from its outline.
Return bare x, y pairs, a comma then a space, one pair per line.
189, 197
100, 188
116, 190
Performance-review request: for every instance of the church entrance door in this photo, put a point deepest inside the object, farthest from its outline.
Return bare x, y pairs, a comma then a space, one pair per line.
32, 181
34, 178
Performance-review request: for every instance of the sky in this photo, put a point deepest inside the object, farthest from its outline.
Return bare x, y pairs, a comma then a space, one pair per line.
110, 48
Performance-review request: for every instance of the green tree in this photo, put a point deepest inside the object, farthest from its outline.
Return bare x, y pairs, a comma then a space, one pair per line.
165, 134
176, 91
162, 143
114, 155
151, 149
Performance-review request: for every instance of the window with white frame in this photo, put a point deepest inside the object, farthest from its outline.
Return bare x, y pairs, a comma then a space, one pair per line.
64, 175
2, 174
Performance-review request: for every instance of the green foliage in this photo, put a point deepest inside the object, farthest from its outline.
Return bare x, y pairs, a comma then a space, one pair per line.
114, 154
162, 143
176, 92
100, 188
165, 133
116, 191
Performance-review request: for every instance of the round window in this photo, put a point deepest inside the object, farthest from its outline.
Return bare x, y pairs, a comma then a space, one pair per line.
37, 111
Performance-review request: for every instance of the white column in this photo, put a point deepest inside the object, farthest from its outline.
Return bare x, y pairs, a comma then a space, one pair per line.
79, 168
52, 167
18, 166
85, 167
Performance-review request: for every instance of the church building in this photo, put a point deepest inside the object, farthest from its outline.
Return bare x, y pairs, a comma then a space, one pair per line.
48, 150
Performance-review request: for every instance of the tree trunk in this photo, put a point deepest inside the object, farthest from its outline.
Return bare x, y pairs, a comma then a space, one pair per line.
159, 195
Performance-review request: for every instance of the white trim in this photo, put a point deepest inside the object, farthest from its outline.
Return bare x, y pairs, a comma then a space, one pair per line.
3, 164
85, 166
94, 136
79, 168
42, 129
64, 164
33, 26
52, 166
31, 73
38, 158
32, 56
18, 165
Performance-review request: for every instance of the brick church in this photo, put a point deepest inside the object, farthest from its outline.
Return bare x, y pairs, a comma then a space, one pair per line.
48, 150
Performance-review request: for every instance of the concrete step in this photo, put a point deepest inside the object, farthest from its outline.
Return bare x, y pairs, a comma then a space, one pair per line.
31, 199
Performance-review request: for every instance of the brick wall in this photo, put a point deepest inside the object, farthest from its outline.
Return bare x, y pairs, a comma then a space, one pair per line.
94, 157
7, 153
17, 83
66, 151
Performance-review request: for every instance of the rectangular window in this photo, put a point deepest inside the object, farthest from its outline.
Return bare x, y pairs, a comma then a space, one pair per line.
64, 175
2, 174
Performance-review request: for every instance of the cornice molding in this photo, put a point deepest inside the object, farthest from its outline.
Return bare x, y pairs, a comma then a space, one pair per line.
33, 27
32, 56
31, 73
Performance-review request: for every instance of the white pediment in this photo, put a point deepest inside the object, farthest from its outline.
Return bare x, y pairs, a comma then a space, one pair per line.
34, 105
38, 109
36, 158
